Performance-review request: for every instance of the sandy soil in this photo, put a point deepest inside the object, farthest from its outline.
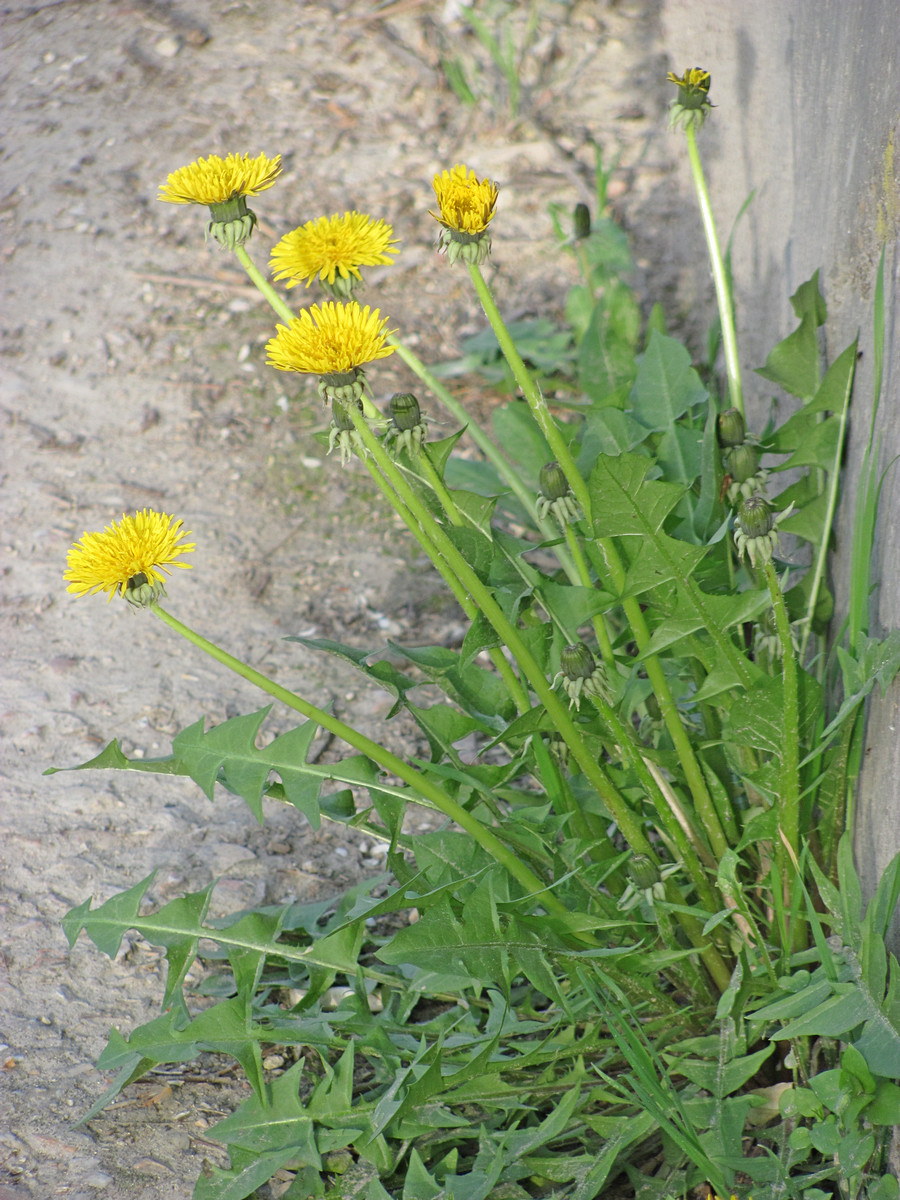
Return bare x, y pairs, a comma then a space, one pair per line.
134, 376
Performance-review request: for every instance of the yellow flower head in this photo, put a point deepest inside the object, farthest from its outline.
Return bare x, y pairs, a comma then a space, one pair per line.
691, 105
331, 339
465, 204
128, 557
216, 180
333, 248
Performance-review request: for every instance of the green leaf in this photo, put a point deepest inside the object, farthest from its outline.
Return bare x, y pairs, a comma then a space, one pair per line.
241, 1180
794, 363
666, 386
608, 431
885, 1106
721, 1079
839, 1015
516, 431
624, 502
606, 354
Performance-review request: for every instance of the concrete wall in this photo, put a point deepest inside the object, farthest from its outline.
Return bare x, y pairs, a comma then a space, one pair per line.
809, 115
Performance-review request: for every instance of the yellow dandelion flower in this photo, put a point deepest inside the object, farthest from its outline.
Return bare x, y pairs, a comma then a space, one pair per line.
215, 180
465, 204
465, 209
331, 339
691, 105
128, 557
333, 248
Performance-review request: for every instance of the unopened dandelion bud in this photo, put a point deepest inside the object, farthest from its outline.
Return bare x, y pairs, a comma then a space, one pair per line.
731, 428
581, 674
405, 410
642, 872
581, 220
343, 433
407, 428
742, 465
756, 530
755, 517
741, 462
555, 495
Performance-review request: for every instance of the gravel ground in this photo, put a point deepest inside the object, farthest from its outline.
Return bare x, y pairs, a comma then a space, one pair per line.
135, 376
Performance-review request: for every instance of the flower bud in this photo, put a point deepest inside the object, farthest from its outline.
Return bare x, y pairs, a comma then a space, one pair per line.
731, 427
556, 496
581, 220
755, 517
577, 662
343, 433
741, 461
691, 105
405, 410
581, 674
552, 479
756, 530
407, 428
642, 872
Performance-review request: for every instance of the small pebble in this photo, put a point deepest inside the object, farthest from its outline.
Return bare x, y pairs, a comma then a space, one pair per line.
167, 47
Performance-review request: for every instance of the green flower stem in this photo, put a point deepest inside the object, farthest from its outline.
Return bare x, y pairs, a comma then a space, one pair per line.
283, 309
463, 599
788, 842
629, 824
439, 488
711, 958
278, 303
584, 578
706, 810
416, 780
669, 819
506, 470
723, 289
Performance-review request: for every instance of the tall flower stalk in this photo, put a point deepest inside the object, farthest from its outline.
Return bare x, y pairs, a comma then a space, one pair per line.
689, 110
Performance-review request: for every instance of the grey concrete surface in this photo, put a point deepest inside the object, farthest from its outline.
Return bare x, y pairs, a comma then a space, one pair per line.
809, 116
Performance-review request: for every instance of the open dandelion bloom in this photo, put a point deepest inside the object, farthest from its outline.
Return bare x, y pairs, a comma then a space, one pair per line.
224, 185
330, 339
215, 180
333, 248
128, 557
465, 209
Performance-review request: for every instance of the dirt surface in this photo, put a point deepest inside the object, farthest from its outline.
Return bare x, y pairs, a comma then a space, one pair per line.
134, 375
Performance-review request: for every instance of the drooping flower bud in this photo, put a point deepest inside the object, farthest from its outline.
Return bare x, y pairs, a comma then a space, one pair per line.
556, 496
343, 433
581, 220
730, 427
